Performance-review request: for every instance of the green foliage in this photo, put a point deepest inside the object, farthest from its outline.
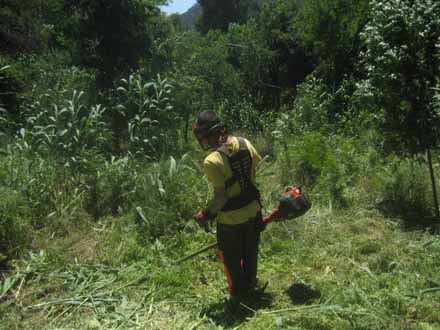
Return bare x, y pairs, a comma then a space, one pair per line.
402, 188
10, 87
15, 231
3, 112
218, 15
152, 121
329, 30
112, 187
61, 164
311, 107
349, 110
403, 66
64, 131
32, 25
290, 65
45, 79
169, 192
112, 37
203, 76
252, 56
327, 167
50, 79
244, 118
310, 152
52, 192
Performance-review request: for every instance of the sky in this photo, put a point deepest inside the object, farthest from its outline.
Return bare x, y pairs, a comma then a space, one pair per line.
178, 6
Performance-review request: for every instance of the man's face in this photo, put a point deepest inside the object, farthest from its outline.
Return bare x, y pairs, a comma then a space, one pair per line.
204, 141
201, 137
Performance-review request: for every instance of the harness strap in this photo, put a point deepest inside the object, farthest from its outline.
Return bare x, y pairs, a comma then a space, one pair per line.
240, 163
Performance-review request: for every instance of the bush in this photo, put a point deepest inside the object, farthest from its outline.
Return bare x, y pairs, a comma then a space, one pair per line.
64, 131
15, 232
329, 167
243, 116
147, 116
9, 99
110, 190
402, 189
49, 75
169, 192
311, 107
402, 66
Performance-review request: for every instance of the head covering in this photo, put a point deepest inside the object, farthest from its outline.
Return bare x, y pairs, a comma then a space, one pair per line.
207, 124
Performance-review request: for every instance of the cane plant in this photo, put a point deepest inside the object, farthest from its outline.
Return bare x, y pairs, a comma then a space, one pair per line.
151, 119
65, 131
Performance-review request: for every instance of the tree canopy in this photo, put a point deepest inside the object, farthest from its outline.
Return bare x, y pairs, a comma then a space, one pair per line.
402, 61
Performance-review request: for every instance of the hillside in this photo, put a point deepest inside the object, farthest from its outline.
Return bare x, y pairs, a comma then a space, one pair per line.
189, 18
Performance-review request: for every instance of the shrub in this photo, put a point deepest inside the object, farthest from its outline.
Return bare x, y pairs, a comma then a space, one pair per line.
402, 66
169, 192
15, 232
243, 116
112, 188
401, 188
311, 107
9, 88
328, 166
150, 118
66, 130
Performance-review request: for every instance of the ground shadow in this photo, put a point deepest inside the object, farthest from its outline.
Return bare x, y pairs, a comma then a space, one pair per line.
222, 316
412, 217
301, 293
416, 222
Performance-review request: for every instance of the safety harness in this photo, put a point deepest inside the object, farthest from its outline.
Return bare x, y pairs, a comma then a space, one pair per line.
240, 163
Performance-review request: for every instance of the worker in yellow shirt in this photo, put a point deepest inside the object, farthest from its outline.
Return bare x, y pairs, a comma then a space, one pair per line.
230, 168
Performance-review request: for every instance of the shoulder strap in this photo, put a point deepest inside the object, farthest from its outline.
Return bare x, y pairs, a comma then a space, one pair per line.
225, 151
240, 162
228, 154
242, 143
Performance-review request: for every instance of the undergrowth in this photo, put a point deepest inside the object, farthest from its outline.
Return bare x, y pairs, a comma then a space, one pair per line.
345, 270
337, 267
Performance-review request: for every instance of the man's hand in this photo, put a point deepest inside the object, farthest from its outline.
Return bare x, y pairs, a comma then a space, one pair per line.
203, 217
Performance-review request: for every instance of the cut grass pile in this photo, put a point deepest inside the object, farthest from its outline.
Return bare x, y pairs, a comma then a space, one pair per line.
351, 270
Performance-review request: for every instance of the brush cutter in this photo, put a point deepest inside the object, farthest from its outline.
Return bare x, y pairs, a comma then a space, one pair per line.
292, 204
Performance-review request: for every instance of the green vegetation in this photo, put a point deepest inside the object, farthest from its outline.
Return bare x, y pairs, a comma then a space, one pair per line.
95, 123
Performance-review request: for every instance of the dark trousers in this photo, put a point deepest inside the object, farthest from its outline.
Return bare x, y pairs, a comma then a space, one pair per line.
238, 250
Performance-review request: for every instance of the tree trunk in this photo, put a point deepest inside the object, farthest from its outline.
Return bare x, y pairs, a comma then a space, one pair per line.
434, 190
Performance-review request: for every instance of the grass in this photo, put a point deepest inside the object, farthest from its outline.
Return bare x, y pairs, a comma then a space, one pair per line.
343, 270
351, 268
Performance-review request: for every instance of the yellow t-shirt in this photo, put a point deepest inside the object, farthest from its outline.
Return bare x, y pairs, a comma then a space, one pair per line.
218, 172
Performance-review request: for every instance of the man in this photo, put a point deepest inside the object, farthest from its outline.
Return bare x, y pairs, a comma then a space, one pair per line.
230, 168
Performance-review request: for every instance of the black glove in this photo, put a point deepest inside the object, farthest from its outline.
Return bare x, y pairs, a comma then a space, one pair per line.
259, 223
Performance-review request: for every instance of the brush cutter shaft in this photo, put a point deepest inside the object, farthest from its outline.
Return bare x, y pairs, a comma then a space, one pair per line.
196, 253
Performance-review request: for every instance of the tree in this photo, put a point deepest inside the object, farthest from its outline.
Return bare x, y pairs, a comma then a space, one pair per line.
276, 24
112, 36
402, 61
329, 30
32, 25
217, 15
